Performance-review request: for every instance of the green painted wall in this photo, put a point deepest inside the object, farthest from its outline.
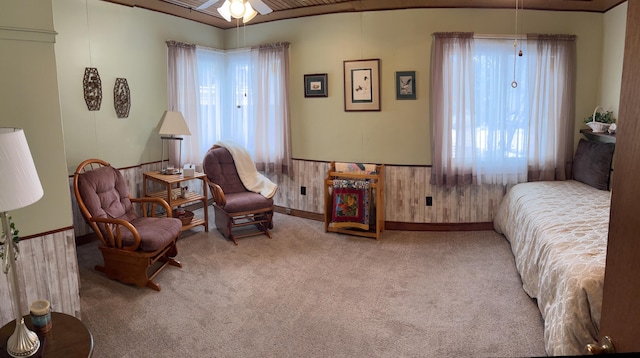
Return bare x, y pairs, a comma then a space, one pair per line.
124, 42
400, 133
29, 100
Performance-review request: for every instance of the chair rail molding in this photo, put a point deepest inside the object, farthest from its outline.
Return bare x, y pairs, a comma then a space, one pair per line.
24, 34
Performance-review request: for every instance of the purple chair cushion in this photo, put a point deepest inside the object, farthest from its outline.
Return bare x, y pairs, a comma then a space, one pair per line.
246, 201
220, 168
106, 195
155, 233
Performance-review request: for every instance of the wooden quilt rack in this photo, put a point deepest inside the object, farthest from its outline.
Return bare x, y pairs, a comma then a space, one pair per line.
376, 184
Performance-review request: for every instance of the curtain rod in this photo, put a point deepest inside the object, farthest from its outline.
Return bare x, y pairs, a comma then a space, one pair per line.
222, 51
499, 36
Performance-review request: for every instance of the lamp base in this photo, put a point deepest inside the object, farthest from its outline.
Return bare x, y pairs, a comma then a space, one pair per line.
23, 342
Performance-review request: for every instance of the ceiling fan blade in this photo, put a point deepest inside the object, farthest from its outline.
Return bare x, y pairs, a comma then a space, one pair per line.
260, 6
207, 4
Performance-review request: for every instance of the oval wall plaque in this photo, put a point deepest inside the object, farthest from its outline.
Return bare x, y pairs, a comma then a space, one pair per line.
92, 88
121, 98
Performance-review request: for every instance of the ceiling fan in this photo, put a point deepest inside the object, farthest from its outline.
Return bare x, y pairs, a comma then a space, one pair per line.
238, 9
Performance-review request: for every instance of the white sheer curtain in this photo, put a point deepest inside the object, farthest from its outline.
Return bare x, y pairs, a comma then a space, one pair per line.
451, 103
271, 95
551, 69
182, 94
501, 118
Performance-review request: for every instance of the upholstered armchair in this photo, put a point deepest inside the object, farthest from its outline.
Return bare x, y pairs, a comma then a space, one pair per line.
130, 243
238, 211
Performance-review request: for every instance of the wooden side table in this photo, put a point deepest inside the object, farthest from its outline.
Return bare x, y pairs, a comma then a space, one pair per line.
68, 338
172, 185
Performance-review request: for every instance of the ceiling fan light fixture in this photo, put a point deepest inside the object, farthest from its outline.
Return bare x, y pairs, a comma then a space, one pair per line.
224, 10
249, 13
237, 8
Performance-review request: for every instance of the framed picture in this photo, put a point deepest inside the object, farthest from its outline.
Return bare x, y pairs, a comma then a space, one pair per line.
362, 85
406, 85
315, 85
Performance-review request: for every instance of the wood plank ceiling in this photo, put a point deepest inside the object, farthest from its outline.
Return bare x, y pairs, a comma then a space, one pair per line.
287, 9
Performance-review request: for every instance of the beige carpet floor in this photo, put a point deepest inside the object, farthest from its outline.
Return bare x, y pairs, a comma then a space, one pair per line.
307, 293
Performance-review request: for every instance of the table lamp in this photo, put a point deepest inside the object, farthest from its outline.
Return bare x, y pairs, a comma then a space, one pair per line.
173, 124
19, 187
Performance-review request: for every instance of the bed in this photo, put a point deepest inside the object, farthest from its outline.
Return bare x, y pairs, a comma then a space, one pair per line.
558, 234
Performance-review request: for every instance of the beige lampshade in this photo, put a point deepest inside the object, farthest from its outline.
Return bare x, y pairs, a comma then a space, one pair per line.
19, 182
173, 123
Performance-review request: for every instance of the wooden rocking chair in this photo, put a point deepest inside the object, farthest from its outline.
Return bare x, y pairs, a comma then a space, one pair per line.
130, 244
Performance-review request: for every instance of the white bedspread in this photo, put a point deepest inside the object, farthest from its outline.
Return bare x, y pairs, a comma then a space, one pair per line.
558, 235
250, 177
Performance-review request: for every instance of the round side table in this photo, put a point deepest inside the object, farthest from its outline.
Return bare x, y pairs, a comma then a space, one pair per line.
68, 338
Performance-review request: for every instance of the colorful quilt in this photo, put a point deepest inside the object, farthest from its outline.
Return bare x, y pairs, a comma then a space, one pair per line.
351, 206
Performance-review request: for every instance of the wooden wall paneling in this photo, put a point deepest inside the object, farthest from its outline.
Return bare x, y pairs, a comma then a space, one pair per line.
32, 262
54, 271
305, 178
406, 191
318, 189
472, 201
6, 306
72, 301
443, 210
311, 175
416, 197
49, 265
461, 203
298, 178
66, 298
392, 190
280, 199
79, 224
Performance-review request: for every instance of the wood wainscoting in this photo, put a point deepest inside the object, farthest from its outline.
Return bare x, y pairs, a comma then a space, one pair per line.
458, 208
405, 198
49, 264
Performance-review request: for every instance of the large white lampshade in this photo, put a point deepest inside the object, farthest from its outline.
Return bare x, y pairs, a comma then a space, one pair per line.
19, 182
19, 187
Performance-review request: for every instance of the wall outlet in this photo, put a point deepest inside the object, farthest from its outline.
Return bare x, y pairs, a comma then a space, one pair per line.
429, 201
303, 190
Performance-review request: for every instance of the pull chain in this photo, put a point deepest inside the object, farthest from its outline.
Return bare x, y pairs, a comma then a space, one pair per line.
514, 83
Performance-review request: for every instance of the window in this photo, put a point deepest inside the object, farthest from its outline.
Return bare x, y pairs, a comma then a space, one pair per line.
498, 117
239, 96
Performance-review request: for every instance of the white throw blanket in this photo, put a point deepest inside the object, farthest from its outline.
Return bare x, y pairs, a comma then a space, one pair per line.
247, 171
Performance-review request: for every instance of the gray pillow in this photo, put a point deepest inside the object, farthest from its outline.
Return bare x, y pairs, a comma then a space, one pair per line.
592, 163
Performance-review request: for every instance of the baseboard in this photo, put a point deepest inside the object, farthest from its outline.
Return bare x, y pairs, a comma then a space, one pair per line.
298, 213
404, 226
389, 225
397, 225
